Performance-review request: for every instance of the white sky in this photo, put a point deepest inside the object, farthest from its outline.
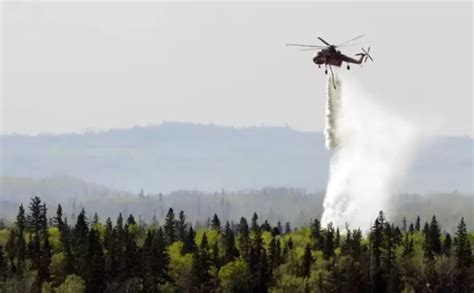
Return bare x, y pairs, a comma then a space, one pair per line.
68, 67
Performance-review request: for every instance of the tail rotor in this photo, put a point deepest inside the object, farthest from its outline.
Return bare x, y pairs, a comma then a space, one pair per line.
367, 55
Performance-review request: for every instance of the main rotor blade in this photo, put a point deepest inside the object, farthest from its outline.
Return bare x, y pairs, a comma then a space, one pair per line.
351, 40
304, 45
352, 44
321, 39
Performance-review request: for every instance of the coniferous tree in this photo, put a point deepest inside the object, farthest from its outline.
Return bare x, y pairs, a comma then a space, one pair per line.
272, 254
377, 246
131, 220
3, 266
463, 253
215, 257
417, 224
307, 261
11, 250
80, 244
435, 236
275, 231
447, 243
229, 249
408, 247
147, 262
181, 226
161, 257
280, 228
244, 234
201, 277
95, 274
287, 228
263, 273
411, 228
131, 257
404, 224
254, 225
329, 242
316, 234
216, 223
266, 226
170, 227
189, 244
16, 245
58, 219
95, 220
35, 224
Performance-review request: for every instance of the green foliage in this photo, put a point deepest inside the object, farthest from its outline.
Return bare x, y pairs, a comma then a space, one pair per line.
235, 277
72, 284
131, 257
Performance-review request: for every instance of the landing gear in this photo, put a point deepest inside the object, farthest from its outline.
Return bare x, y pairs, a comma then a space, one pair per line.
319, 66
348, 67
326, 71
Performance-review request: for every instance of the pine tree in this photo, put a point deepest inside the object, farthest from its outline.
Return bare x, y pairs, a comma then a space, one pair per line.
181, 226
3, 266
216, 223
170, 227
463, 253
404, 224
408, 247
417, 224
254, 225
411, 229
447, 243
329, 242
307, 261
215, 257
435, 236
266, 226
189, 244
37, 226
95, 274
244, 234
80, 244
201, 277
108, 234
131, 221
16, 245
263, 274
131, 257
287, 228
147, 262
377, 245
161, 257
229, 249
316, 234
95, 220
58, 219
272, 254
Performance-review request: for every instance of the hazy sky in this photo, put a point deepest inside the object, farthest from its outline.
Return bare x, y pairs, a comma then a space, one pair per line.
75, 66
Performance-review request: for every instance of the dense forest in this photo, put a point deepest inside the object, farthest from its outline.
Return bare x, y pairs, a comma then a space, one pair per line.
285, 204
42, 254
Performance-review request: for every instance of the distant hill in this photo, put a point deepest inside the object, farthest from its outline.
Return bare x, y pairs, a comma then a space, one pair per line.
176, 156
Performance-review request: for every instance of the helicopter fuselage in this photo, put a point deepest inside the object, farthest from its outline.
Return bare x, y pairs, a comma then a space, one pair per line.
331, 56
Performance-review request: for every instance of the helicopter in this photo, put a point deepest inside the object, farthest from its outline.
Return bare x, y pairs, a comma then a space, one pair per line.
329, 55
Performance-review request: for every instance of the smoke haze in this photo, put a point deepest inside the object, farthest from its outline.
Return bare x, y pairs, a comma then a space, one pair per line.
373, 150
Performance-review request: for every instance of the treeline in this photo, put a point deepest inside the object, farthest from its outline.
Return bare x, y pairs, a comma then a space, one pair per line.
90, 255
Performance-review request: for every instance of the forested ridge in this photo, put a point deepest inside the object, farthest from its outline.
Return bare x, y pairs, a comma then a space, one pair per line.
41, 254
